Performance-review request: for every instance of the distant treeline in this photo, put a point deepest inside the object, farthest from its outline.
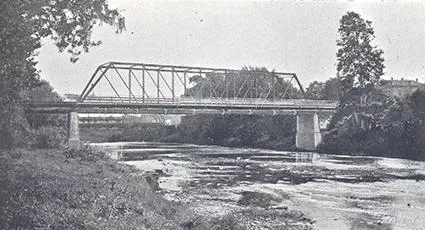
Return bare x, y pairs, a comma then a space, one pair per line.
273, 132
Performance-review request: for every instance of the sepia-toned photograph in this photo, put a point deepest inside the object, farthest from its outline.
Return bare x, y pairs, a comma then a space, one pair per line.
212, 114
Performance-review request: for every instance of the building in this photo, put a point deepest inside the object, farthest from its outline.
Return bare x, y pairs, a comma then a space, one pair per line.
400, 88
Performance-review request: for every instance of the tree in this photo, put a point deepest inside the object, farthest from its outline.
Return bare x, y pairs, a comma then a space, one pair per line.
250, 82
315, 90
359, 64
360, 128
330, 90
42, 92
23, 24
391, 126
416, 102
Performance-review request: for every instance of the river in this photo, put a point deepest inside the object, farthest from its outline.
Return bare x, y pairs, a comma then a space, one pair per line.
335, 191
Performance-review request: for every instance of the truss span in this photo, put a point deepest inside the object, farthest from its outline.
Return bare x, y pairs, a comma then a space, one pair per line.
143, 83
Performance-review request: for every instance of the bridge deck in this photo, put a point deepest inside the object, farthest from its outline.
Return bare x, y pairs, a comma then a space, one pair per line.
109, 105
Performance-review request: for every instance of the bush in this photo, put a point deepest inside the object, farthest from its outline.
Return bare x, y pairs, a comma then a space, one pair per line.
259, 199
49, 137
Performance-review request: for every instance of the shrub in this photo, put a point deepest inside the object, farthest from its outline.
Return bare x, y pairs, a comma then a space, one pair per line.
49, 137
258, 199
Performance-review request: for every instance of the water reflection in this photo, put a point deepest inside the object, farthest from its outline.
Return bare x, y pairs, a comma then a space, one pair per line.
306, 157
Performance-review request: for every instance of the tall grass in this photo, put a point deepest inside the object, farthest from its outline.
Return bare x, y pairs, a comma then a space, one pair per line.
55, 189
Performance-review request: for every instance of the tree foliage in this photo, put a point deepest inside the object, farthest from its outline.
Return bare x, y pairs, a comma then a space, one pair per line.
42, 92
416, 101
329, 90
382, 125
359, 63
315, 90
332, 89
250, 82
417, 105
23, 24
275, 132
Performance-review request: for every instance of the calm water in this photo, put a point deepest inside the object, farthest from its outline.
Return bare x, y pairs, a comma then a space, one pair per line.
337, 192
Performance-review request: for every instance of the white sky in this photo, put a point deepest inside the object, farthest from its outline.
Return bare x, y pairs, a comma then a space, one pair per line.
288, 36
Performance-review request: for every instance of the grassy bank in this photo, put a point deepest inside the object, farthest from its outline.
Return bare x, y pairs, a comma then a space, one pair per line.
56, 189
61, 189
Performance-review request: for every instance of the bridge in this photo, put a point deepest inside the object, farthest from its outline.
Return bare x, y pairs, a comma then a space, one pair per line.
139, 88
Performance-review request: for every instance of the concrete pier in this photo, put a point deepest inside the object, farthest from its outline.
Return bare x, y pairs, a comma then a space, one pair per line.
308, 130
73, 131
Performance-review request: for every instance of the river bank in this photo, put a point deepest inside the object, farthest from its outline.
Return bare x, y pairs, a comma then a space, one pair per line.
61, 189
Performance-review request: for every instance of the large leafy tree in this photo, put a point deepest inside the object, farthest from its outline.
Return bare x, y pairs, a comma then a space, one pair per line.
359, 63
359, 67
23, 23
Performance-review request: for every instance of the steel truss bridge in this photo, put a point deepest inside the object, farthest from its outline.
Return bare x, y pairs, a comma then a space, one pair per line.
119, 87
138, 88
151, 81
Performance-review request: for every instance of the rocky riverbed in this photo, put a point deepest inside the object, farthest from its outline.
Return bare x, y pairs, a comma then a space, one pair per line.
332, 191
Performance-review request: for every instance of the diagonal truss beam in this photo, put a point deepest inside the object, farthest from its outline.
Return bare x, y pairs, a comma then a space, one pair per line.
140, 84
90, 85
